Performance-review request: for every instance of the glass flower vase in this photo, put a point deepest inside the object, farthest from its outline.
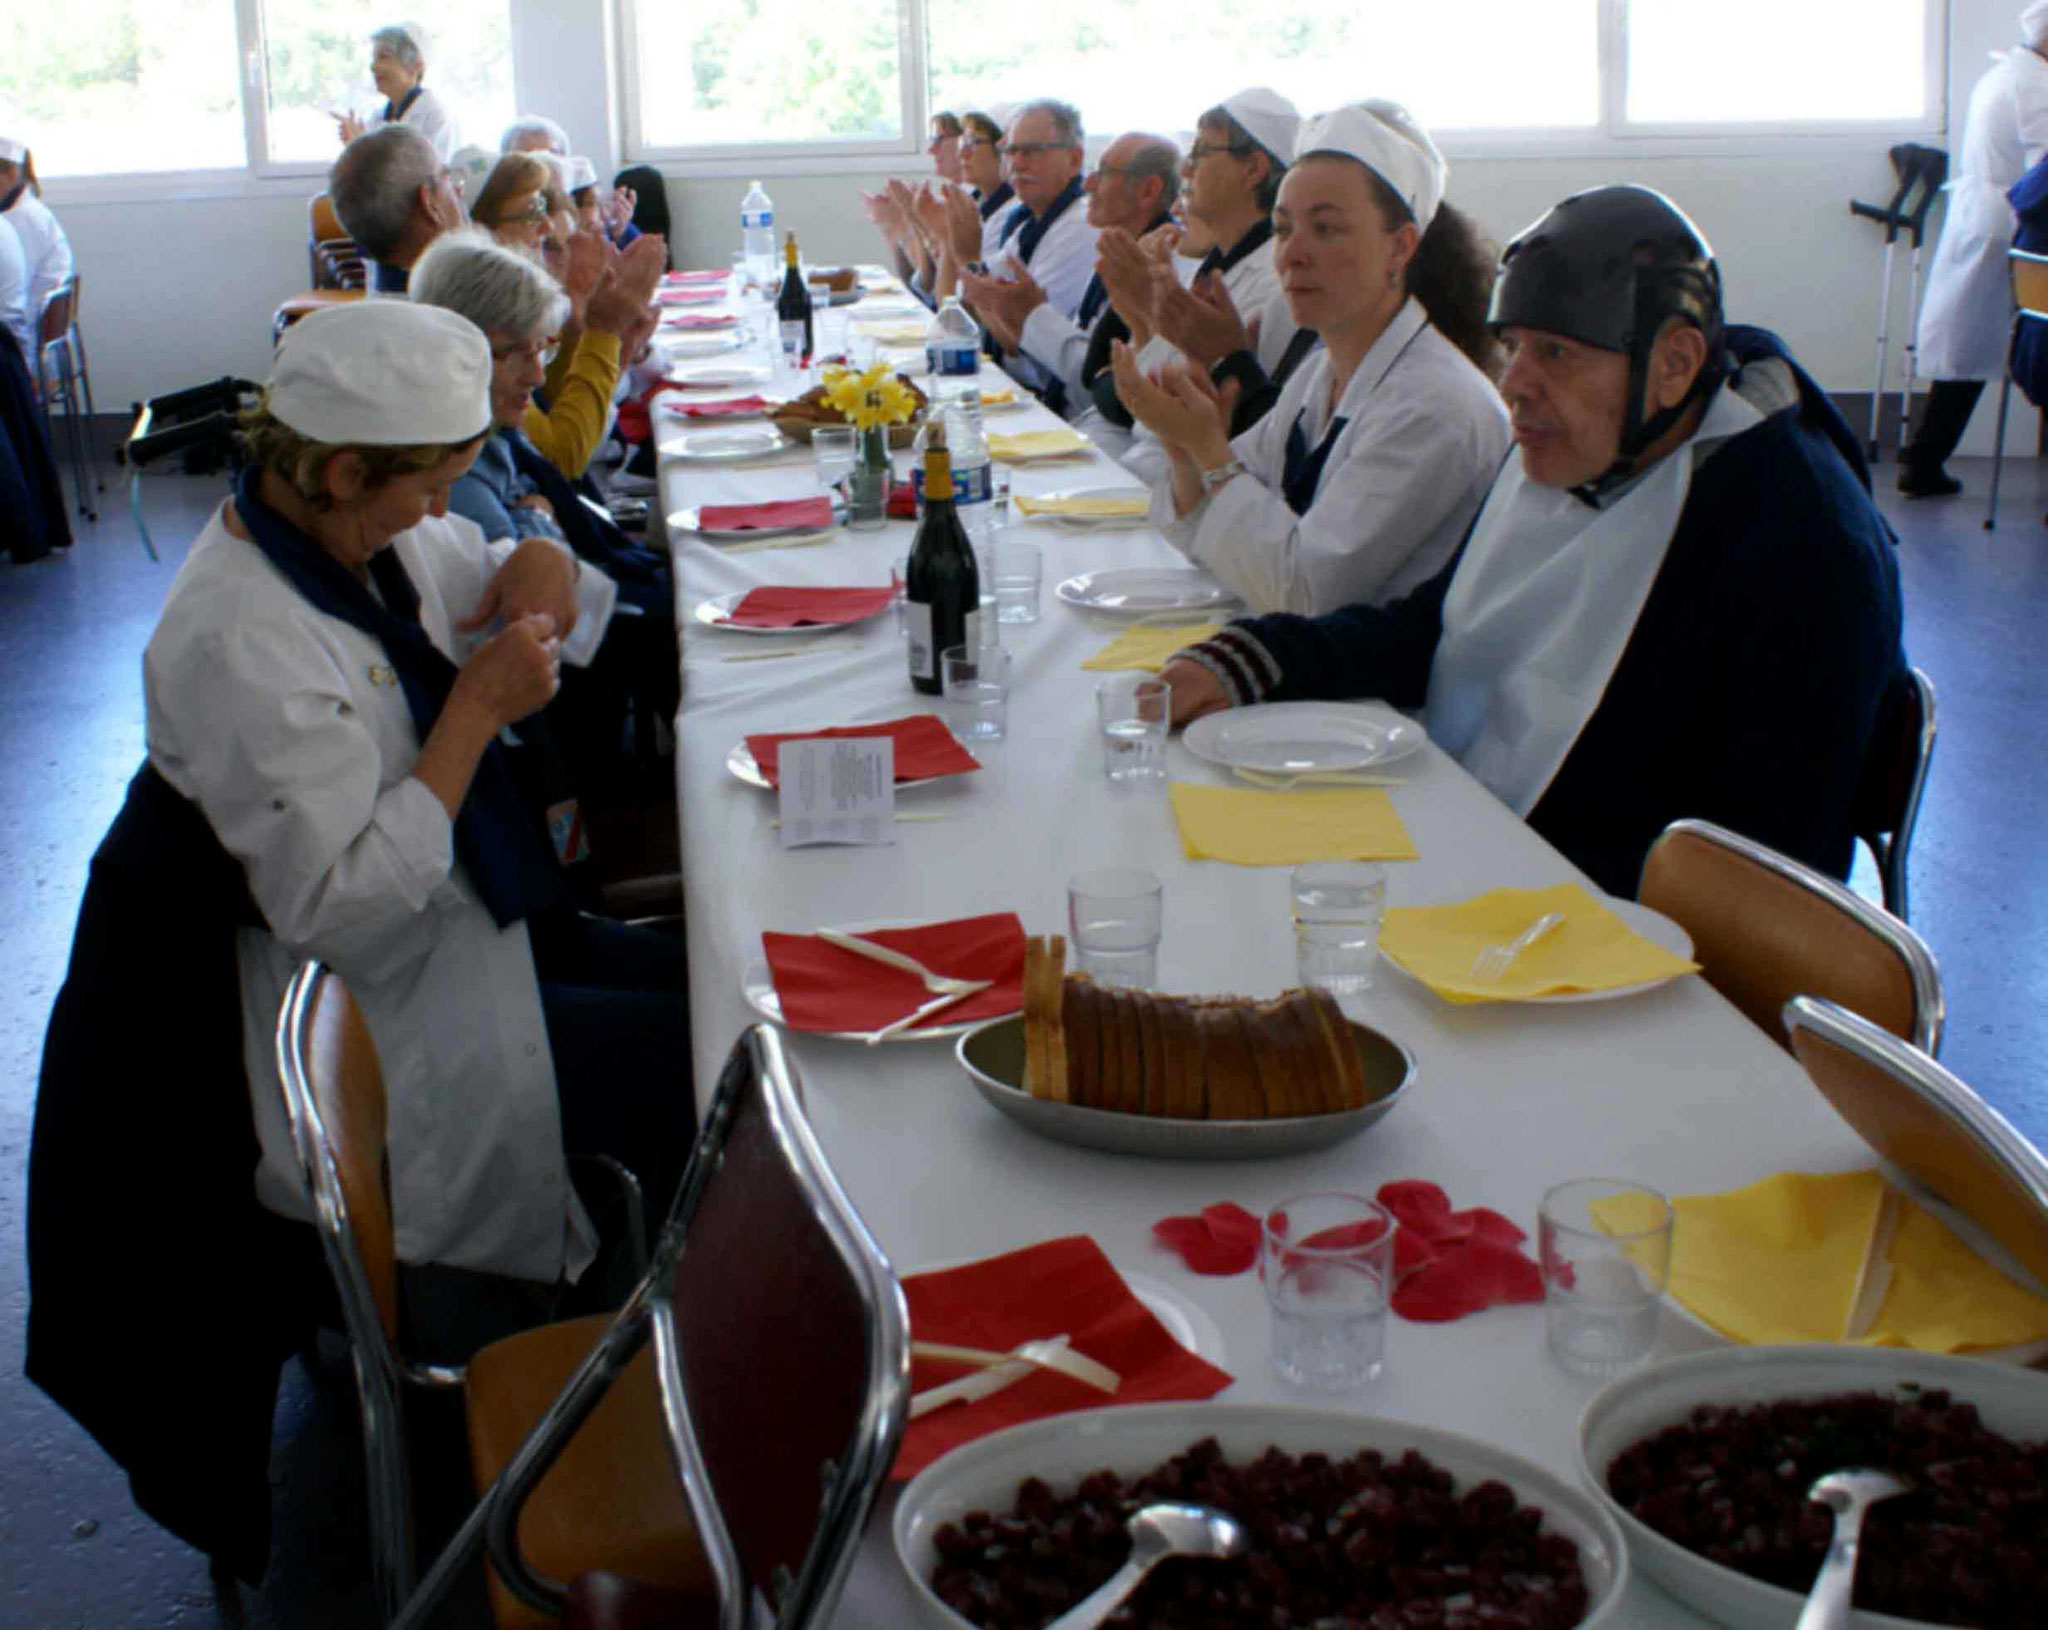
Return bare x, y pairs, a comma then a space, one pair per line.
867, 484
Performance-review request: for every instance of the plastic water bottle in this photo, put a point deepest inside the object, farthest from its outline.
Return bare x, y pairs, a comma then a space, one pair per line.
757, 235
952, 354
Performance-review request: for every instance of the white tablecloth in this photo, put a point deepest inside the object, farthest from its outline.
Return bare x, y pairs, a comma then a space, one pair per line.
1671, 1088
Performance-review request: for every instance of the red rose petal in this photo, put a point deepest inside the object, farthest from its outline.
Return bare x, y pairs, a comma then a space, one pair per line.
1232, 1226
1422, 1207
1345, 1236
1440, 1291
1200, 1249
1411, 1251
1484, 1223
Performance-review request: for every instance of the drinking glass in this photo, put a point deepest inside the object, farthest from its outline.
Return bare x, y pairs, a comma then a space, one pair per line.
1019, 569
1338, 905
976, 700
899, 575
1114, 918
1134, 711
1601, 1289
1326, 1265
832, 449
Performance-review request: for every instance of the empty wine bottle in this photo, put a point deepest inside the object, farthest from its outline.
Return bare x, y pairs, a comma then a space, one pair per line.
793, 309
941, 587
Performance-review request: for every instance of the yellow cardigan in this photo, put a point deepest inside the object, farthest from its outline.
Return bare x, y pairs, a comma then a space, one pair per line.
579, 389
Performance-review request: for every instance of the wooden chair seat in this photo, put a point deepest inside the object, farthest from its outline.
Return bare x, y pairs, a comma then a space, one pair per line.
612, 1501
300, 305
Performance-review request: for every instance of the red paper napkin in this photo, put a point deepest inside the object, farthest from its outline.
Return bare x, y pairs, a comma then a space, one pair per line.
924, 747
822, 987
1065, 1286
902, 504
731, 407
776, 607
693, 295
691, 321
760, 517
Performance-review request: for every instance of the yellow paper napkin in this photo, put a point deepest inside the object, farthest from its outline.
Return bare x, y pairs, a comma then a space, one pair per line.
1029, 444
1592, 949
1095, 506
1778, 1261
894, 333
1146, 649
1251, 828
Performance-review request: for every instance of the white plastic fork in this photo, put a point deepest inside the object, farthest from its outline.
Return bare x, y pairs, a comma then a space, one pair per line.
1492, 964
938, 1004
937, 982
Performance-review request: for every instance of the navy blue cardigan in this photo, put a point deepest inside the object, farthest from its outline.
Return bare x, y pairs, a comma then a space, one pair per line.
1748, 693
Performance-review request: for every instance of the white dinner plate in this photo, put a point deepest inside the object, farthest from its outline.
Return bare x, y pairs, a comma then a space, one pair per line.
888, 306
1654, 926
1094, 523
757, 986
1132, 1440
691, 294
1301, 738
691, 520
740, 765
1138, 591
702, 345
699, 322
2013, 1403
728, 445
717, 613
697, 375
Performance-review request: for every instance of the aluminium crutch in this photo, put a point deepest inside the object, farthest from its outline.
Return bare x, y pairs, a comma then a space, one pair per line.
1893, 218
1933, 170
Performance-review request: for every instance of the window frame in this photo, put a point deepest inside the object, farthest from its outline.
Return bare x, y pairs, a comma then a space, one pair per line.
1610, 135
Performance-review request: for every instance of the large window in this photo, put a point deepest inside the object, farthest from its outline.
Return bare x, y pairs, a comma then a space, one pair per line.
111, 87
815, 77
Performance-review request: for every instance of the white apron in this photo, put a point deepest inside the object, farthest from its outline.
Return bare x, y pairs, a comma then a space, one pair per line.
1965, 320
1541, 608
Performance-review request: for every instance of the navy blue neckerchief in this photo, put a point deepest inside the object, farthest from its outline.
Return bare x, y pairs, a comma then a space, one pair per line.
14, 197
495, 837
389, 279
393, 112
1096, 295
995, 200
1029, 230
1304, 470
1220, 261
593, 537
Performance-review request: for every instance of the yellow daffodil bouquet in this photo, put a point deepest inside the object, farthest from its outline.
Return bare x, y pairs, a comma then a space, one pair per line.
869, 400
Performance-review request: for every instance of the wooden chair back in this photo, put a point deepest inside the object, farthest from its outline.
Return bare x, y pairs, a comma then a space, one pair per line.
334, 261
58, 312
2029, 281
1766, 929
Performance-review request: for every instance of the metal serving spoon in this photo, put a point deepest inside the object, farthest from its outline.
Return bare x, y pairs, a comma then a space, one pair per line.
1157, 1532
1848, 1494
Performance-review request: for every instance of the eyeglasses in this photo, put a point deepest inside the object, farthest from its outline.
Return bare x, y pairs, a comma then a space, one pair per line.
531, 351
1022, 149
534, 212
1102, 170
1202, 149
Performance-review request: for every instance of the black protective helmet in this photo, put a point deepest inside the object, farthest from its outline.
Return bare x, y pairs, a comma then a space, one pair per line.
1609, 268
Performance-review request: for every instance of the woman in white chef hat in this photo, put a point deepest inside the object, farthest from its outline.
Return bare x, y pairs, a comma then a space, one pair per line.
46, 252
1361, 480
335, 667
398, 63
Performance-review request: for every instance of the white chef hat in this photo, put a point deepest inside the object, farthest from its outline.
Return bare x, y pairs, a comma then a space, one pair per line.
578, 173
12, 151
2034, 22
471, 167
383, 373
412, 31
1383, 137
1268, 118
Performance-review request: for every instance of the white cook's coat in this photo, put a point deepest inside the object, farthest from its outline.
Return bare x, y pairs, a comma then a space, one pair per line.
289, 731
1424, 438
44, 246
428, 117
14, 307
1966, 318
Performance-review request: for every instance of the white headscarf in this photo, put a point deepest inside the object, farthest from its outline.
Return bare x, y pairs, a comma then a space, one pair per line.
2034, 23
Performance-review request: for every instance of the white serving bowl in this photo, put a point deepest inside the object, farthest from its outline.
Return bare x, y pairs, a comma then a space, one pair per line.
983, 1475
2012, 1402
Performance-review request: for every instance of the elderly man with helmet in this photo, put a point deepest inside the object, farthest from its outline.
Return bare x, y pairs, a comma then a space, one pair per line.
1678, 600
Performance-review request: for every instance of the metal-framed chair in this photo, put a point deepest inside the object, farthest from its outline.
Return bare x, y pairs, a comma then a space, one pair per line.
333, 1090
333, 258
59, 382
1894, 780
1928, 1123
782, 1371
2030, 305
1766, 928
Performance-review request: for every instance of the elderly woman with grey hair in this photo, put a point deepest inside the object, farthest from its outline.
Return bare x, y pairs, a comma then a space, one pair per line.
513, 490
398, 62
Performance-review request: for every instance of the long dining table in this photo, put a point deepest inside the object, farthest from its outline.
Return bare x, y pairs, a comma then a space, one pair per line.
1671, 1087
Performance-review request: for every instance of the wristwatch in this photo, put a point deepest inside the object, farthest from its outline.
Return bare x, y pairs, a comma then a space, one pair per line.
1213, 481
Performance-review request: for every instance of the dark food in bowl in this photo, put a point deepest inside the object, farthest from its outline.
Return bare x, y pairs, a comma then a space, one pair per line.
1362, 1543
1968, 1547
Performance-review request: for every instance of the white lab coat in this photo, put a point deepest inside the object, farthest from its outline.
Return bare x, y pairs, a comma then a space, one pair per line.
14, 306
1966, 318
1425, 434
44, 246
428, 117
1062, 264
289, 730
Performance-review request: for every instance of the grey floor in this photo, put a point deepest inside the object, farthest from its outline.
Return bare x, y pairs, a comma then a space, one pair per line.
73, 1552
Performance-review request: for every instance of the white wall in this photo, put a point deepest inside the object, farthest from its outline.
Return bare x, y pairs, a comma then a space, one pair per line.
181, 290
